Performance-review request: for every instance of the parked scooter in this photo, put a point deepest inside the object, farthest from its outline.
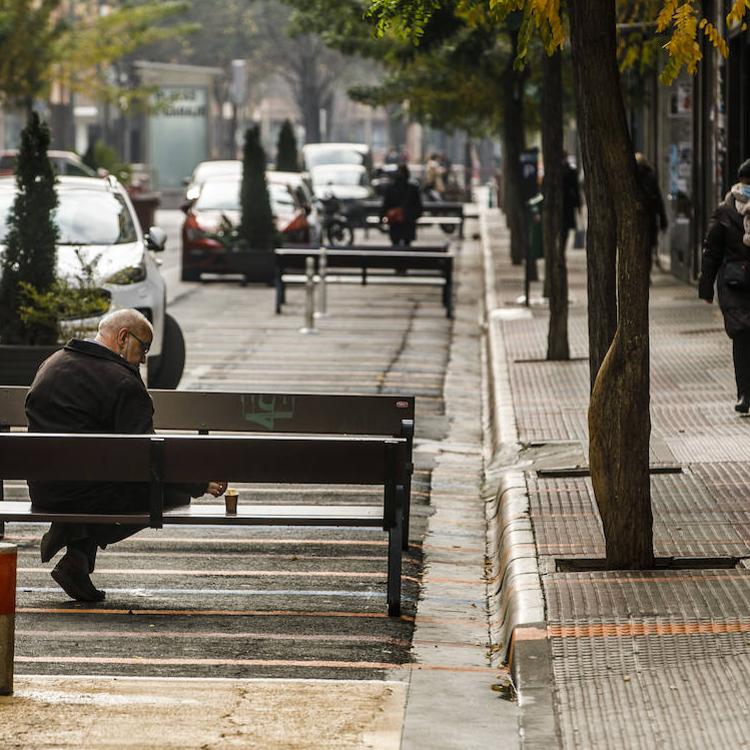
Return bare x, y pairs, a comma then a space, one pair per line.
336, 226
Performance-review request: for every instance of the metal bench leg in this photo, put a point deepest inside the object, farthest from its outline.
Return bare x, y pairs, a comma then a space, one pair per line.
405, 516
394, 564
279, 291
3, 428
448, 295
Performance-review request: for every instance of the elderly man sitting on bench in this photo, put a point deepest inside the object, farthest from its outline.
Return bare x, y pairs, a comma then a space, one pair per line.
94, 386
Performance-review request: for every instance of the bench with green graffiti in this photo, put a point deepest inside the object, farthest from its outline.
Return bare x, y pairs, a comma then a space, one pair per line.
207, 412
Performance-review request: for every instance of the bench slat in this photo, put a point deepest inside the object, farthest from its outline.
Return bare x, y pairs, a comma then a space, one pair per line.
247, 514
320, 459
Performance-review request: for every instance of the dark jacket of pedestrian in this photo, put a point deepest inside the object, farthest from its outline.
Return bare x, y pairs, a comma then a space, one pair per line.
571, 196
402, 206
724, 253
86, 388
657, 214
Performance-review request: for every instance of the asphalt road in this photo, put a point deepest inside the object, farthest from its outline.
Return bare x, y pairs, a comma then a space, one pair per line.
266, 602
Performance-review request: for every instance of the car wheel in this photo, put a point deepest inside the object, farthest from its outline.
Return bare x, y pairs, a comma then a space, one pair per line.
190, 274
168, 370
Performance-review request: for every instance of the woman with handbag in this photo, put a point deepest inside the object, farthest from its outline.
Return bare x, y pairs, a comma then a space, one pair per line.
402, 206
726, 261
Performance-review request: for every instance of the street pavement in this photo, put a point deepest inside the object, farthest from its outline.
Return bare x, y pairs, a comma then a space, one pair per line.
635, 659
305, 606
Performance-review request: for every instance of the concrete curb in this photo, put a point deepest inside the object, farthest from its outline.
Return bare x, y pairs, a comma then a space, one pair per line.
516, 600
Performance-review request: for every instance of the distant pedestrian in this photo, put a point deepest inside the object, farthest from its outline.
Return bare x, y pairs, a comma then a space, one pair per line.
402, 206
726, 261
434, 184
571, 201
657, 214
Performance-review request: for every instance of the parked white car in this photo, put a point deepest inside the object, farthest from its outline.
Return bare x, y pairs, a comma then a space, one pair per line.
207, 170
98, 226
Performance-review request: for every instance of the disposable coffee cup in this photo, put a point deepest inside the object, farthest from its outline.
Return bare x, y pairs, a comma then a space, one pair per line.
230, 501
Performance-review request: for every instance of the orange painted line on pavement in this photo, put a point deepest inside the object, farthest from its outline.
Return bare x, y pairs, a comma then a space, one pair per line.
611, 630
611, 579
119, 634
226, 573
206, 613
303, 663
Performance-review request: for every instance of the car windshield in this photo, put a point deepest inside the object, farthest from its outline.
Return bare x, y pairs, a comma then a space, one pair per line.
224, 195
215, 169
333, 156
323, 177
84, 217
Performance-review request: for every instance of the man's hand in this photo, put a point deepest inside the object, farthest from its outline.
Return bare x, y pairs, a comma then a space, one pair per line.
216, 488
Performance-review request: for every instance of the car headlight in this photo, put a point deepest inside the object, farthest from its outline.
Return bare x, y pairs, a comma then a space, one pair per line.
129, 275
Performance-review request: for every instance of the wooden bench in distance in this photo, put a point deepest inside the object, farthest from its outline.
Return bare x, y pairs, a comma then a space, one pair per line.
432, 267
279, 459
299, 413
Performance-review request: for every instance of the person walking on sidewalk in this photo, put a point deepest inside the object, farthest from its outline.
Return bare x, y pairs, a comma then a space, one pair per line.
726, 261
657, 214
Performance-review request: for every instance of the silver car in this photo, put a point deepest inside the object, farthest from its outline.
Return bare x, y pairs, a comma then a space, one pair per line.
98, 227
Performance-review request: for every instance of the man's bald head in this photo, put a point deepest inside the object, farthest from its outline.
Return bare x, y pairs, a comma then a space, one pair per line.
127, 333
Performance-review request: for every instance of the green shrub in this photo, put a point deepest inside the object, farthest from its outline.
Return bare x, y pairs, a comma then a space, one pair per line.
256, 230
287, 158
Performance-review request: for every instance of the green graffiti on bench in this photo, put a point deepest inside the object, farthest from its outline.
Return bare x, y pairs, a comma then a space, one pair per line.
265, 409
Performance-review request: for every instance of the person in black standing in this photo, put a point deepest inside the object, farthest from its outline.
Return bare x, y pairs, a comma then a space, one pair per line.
726, 261
402, 206
571, 200
657, 214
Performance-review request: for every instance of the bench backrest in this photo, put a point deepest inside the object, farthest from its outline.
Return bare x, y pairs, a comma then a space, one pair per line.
340, 414
321, 459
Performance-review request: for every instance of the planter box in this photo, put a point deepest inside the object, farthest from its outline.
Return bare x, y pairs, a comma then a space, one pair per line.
18, 363
258, 266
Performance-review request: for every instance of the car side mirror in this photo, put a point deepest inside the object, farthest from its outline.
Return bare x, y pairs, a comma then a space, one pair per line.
156, 239
185, 206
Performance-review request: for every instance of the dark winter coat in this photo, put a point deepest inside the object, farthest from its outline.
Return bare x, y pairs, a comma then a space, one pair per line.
86, 388
723, 245
571, 197
405, 195
657, 214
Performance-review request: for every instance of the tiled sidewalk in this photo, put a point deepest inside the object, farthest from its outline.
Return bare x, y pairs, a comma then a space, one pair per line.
640, 659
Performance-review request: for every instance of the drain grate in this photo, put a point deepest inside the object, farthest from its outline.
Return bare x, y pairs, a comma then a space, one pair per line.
590, 564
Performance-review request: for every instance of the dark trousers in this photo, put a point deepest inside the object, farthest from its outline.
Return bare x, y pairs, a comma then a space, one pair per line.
741, 355
88, 537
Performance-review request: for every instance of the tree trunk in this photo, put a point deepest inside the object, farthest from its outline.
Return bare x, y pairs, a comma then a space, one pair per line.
601, 232
555, 272
619, 423
514, 143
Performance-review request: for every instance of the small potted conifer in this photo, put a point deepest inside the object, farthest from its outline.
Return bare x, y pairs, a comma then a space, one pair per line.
287, 158
35, 306
256, 236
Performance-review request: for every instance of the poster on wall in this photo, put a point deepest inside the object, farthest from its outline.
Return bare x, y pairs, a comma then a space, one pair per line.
681, 99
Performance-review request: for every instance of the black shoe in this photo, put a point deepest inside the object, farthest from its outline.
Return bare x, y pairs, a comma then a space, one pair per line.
743, 405
74, 580
53, 541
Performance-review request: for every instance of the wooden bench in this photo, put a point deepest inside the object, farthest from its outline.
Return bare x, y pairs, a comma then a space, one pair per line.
299, 413
429, 266
446, 214
160, 459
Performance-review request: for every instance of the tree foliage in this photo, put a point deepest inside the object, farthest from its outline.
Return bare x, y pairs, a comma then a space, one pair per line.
30, 246
256, 230
42, 46
287, 158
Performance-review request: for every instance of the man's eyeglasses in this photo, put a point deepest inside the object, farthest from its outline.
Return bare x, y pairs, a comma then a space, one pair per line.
144, 346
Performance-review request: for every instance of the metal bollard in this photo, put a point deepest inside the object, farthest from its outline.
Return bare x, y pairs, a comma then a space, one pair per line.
309, 326
7, 615
321, 312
